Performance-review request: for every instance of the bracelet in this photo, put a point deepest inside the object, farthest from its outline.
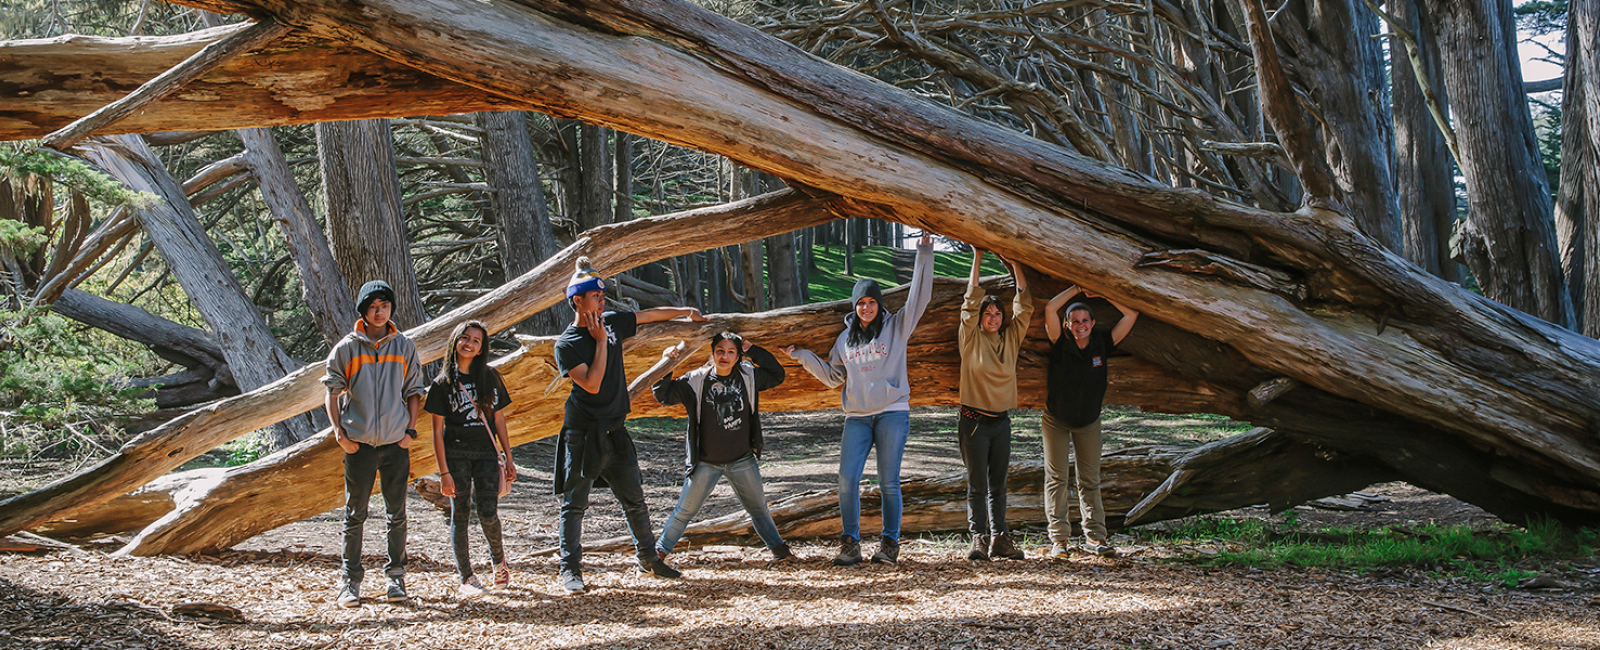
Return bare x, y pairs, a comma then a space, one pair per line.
444, 473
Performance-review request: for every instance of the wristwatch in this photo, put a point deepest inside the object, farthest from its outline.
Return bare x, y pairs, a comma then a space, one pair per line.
412, 433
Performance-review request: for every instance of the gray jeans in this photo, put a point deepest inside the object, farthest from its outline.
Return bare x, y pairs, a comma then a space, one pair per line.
1060, 441
391, 466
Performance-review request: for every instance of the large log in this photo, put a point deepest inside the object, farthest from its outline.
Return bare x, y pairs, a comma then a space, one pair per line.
51, 82
1256, 468
614, 249
1504, 394
215, 512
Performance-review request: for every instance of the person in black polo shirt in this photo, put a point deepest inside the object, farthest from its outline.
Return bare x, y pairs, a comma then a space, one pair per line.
594, 444
1077, 388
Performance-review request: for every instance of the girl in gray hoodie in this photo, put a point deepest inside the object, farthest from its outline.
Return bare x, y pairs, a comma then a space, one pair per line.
869, 360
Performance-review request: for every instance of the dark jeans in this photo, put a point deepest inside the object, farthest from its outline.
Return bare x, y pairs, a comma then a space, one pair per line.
391, 465
986, 451
620, 469
477, 482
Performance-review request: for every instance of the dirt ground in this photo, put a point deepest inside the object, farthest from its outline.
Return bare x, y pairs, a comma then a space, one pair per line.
282, 582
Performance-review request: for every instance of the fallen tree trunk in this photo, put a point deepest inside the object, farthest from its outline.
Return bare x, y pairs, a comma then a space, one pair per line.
215, 512
1506, 396
1245, 470
296, 80
615, 248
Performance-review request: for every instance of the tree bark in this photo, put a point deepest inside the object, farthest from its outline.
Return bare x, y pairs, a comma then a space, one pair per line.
254, 357
301, 79
1422, 159
512, 169
1510, 241
365, 220
322, 286
618, 247
186, 346
1577, 213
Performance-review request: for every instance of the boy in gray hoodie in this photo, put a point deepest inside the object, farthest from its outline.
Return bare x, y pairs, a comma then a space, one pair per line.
375, 389
869, 360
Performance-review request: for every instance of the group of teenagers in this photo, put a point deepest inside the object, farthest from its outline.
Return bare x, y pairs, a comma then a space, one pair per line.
377, 390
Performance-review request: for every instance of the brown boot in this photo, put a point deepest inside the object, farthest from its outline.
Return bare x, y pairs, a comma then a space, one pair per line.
980, 549
1003, 547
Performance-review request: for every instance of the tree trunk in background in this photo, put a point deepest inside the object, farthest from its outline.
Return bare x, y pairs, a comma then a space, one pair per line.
365, 220
1422, 159
1509, 237
592, 206
783, 271
512, 169
325, 289
186, 346
1338, 51
1577, 212
622, 179
253, 354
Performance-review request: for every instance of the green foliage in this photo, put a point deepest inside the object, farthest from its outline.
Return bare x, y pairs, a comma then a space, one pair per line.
1489, 555
24, 158
18, 239
1542, 17
53, 379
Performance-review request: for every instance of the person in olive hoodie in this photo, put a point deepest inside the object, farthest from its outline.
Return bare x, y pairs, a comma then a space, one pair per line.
869, 361
989, 345
724, 437
375, 388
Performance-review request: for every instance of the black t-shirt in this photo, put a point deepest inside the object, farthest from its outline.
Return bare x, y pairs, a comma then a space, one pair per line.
575, 348
1077, 379
463, 430
724, 419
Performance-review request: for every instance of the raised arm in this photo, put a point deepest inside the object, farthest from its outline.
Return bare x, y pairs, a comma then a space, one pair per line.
1052, 315
769, 373
1022, 303
977, 267
657, 314
921, 287
1124, 324
669, 391
588, 376
830, 372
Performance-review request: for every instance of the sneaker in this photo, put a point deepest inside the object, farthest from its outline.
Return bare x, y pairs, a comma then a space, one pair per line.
1004, 547
1058, 551
980, 548
849, 551
571, 581
781, 553
502, 576
655, 567
349, 595
396, 593
888, 551
471, 588
1101, 549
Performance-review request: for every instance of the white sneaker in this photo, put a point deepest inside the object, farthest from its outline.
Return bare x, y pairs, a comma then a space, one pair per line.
471, 588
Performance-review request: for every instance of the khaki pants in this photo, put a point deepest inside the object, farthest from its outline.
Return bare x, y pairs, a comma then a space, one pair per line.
1059, 441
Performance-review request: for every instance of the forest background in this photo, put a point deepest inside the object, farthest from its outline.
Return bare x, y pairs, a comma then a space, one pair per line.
101, 340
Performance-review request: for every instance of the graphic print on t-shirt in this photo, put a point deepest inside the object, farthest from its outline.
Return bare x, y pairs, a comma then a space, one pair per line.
460, 404
728, 399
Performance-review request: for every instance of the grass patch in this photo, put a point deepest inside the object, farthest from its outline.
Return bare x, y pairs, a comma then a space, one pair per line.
829, 281
1497, 555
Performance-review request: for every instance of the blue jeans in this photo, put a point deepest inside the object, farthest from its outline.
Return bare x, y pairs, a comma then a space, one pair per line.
888, 432
620, 469
744, 475
391, 467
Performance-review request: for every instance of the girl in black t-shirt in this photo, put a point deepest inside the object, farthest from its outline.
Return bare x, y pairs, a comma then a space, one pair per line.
465, 396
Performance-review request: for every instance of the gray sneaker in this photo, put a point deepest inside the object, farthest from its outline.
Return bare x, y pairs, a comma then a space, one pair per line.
349, 595
1058, 551
571, 581
1101, 549
396, 593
